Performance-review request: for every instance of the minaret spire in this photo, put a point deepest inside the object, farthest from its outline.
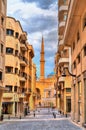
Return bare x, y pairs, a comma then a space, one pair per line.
42, 60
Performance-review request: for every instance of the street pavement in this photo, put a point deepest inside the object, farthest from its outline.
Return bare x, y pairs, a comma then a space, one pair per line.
43, 120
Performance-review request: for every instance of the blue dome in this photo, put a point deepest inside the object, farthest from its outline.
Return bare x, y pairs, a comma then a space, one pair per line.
51, 74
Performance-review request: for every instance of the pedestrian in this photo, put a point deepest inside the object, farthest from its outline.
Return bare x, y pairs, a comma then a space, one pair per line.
54, 115
34, 113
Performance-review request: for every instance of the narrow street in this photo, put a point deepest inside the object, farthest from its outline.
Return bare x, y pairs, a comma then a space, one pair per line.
43, 120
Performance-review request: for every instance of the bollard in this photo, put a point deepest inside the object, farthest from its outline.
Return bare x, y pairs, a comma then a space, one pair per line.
66, 115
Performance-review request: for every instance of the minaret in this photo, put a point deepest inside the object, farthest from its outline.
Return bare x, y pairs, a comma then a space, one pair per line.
42, 61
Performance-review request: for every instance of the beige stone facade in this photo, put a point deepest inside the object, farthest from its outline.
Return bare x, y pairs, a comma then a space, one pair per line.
33, 89
18, 71
3, 7
74, 36
62, 63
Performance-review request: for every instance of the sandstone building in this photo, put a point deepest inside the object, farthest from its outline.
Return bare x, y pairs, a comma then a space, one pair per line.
62, 62
18, 69
74, 38
3, 7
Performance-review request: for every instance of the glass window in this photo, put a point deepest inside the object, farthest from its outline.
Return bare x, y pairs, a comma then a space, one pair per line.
73, 45
78, 58
84, 22
74, 64
15, 88
10, 32
68, 89
16, 52
2, 21
1, 48
9, 50
85, 50
16, 35
65, 17
78, 36
0, 75
9, 88
9, 69
16, 70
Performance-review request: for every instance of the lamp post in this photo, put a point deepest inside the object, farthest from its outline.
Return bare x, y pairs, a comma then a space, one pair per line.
64, 72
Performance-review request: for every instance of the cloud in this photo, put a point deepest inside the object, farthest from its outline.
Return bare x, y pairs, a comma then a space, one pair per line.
37, 17
44, 4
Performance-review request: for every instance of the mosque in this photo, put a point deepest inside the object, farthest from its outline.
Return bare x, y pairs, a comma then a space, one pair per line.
46, 95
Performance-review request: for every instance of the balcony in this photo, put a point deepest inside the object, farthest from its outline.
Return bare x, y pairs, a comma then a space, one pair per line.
61, 79
23, 76
63, 60
22, 95
23, 61
61, 45
61, 24
61, 27
60, 37
63, 8
23, 46
8, 95
28, 91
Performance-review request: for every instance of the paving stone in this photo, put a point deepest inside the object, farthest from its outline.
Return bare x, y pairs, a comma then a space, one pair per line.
40, 122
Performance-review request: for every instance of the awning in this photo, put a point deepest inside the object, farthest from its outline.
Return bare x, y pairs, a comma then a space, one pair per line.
7, 103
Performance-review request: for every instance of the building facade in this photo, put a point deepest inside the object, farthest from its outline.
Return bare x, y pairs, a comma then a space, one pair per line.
3, 7
33, 89
77, 41
18, 61
62, 62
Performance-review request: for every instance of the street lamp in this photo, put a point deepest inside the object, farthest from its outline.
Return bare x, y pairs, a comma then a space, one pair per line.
64, 72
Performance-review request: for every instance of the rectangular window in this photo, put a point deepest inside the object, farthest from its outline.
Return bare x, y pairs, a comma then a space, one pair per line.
16, 70
15, 88
84, 22
16, 52
10, 32
68, 89
9, 88
9, 69
1, 48
74, 64
85, 50
78, 36
0, 75
78, 58
65, 16
16, 35
73, 45
79, 90
9, 50
2, 21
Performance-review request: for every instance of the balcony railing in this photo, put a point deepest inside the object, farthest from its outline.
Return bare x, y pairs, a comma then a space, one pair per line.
63, 8
63, 60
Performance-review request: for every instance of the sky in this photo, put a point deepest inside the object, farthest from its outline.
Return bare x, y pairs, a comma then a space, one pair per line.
38, 18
